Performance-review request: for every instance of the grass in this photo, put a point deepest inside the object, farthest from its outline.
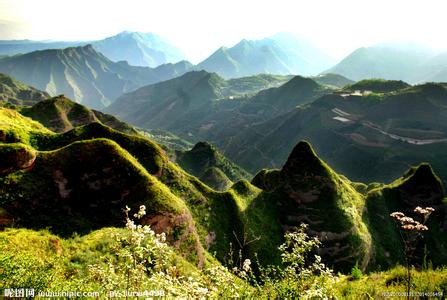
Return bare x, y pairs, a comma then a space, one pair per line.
392, 283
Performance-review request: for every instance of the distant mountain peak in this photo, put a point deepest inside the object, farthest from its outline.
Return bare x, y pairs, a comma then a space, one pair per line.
139, 49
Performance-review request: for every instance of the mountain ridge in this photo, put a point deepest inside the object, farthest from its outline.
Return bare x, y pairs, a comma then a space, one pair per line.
83, 74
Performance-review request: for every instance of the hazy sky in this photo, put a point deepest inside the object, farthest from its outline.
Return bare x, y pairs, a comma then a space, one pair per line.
200, 26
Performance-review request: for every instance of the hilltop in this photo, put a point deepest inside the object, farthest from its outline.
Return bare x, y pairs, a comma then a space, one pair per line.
60, 114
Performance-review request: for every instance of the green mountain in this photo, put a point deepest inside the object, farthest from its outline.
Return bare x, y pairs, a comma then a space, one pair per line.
203, 106
80, 180
397, 62
18, 93
83, 74
418, 187
368, 136
139, 49
60, 114
210, 166
282, 53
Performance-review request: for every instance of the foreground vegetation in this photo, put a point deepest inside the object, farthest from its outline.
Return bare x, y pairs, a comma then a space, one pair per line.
135, 259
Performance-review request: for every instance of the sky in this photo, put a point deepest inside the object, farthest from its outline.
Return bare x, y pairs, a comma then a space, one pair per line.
199, 27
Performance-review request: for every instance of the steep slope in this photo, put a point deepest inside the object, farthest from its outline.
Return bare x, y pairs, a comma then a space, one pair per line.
84, 177
351, 219
418, 187
211, 167
83, 74
307, 190
60, 114
280, 54
14, 92
139, 49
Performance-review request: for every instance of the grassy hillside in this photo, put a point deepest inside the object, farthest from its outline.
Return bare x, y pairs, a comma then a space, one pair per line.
76, 175
17, 93
79, 181
96, 262
60, 114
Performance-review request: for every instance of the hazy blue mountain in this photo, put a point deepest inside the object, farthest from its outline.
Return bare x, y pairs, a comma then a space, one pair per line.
280, 54
11, 47
139, 49
387, 61
83, 74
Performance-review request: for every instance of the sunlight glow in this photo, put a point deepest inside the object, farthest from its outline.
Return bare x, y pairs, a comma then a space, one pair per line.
199, 27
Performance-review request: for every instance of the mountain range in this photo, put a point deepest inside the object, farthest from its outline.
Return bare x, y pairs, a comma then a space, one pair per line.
83, 74
282, 53
410, 63
203, 106
137, 48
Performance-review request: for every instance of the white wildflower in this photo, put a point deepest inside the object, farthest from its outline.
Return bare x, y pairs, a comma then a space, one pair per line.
246, 266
